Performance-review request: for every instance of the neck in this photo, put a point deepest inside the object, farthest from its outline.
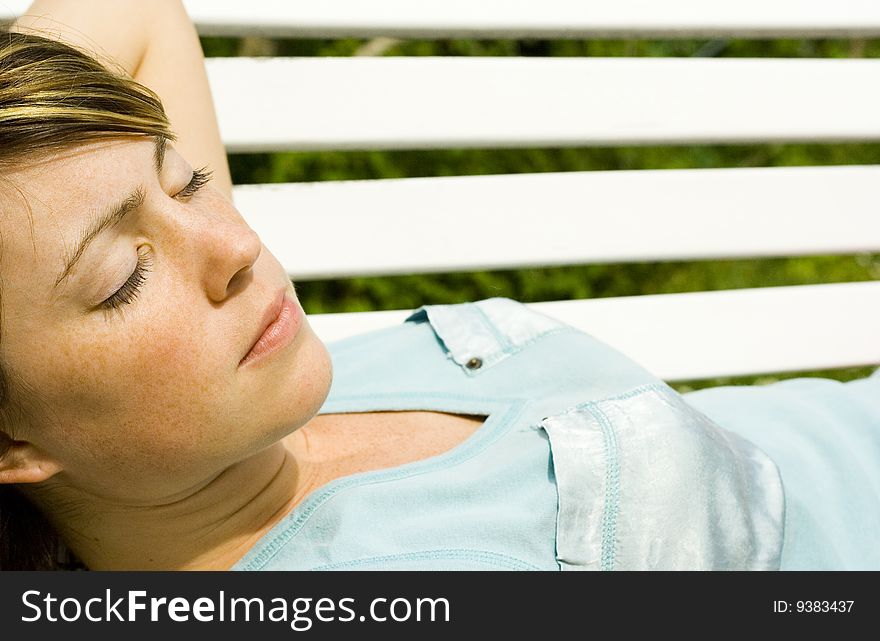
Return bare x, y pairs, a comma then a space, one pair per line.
211, 528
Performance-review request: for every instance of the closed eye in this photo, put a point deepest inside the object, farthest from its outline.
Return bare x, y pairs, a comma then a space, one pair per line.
130, 290
200, 178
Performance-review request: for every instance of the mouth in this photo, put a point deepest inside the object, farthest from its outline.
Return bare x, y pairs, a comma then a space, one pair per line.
278, 326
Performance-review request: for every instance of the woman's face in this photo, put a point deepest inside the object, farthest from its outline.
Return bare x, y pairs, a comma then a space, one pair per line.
146, 401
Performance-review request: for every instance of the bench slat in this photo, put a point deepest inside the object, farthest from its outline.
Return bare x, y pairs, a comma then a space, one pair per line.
532, 220
529, 19
707, 334
407, 103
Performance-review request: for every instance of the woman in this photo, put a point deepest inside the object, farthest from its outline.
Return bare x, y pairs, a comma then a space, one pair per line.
146, 424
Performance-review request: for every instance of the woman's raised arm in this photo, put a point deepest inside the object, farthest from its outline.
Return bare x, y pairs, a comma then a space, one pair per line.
157, 45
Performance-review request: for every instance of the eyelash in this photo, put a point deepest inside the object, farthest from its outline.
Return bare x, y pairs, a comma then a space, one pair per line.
200, 178
130, 290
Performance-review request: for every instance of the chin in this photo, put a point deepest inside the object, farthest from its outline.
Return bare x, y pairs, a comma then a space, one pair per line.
303, 388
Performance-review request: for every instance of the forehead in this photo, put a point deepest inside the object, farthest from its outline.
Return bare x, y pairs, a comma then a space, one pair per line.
78, 171
47, 202
70, 187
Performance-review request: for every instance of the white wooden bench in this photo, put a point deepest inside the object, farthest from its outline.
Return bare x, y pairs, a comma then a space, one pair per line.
447, 224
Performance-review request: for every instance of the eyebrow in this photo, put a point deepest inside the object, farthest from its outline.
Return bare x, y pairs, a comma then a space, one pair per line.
113, 215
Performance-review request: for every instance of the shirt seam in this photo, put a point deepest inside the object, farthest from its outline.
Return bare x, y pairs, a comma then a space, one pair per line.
502, 339
491, 558
499, 356
611, 508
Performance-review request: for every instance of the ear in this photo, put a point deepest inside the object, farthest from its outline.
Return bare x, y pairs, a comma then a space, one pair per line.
21, 462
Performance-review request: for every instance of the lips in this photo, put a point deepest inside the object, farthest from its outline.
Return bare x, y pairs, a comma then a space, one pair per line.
270, 315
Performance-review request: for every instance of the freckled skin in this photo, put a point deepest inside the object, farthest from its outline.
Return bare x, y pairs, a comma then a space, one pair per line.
147, 407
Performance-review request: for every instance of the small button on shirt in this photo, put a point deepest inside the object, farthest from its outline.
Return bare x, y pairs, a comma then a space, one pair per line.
586, 461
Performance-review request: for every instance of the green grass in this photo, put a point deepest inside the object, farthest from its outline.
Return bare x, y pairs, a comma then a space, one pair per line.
578, 281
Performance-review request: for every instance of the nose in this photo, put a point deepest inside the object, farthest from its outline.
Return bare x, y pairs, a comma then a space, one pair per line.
231, 248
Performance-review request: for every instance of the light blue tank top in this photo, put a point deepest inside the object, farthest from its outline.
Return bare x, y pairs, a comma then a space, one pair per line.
586, 460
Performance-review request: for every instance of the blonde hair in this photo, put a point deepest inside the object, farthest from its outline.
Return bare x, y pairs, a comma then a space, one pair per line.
54, 96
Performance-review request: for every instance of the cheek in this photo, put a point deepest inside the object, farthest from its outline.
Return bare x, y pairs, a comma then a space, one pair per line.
159, 394
173, 367
143, 368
